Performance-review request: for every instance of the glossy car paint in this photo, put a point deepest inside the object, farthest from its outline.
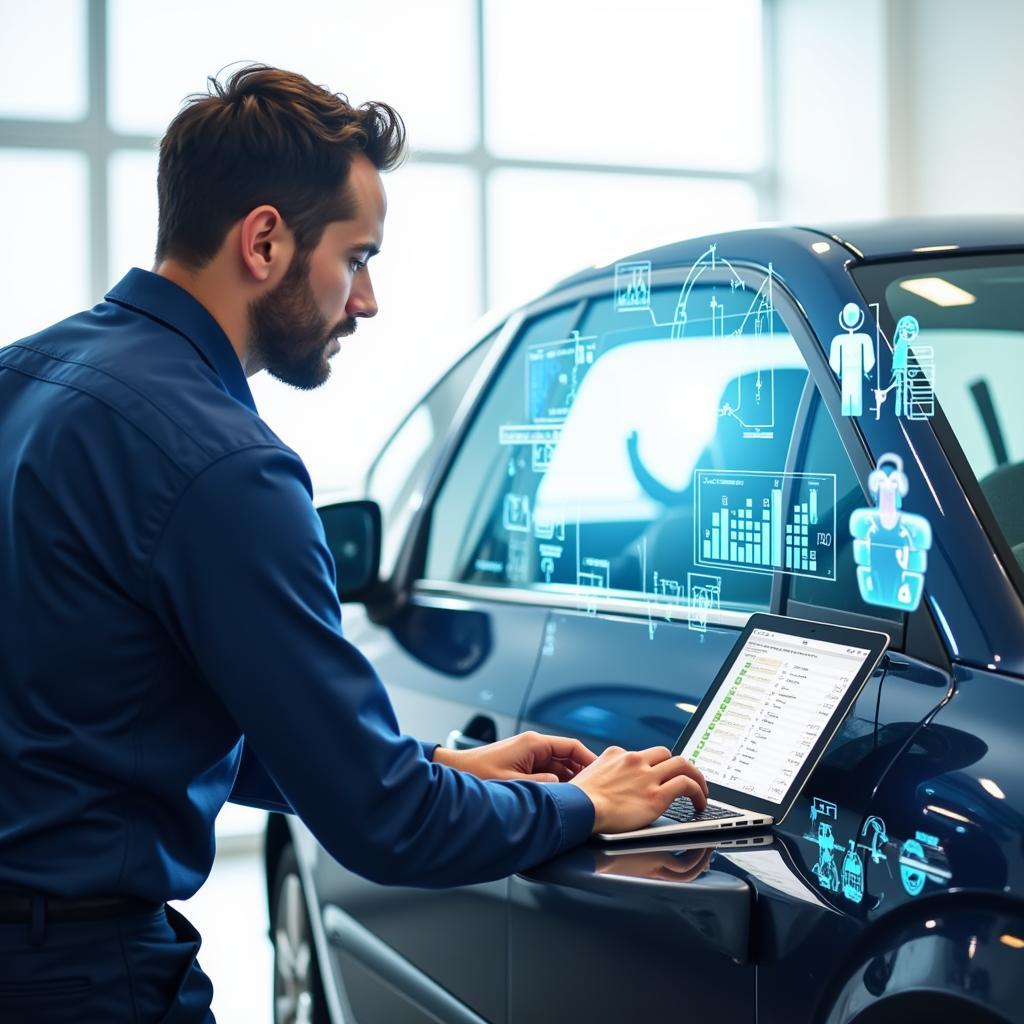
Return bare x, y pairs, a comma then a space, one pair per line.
930, 748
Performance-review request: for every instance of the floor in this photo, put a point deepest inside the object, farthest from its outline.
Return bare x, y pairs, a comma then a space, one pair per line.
230, 912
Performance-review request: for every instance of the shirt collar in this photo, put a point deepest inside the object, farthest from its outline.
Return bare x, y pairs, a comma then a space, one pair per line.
164, 301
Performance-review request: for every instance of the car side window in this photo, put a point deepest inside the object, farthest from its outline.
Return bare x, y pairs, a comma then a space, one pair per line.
641, 450
396, 478
823, 447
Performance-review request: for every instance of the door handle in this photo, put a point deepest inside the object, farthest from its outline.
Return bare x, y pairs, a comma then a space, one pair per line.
480, 731
458, 740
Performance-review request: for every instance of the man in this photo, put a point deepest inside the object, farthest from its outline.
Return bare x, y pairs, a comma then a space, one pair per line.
171, 636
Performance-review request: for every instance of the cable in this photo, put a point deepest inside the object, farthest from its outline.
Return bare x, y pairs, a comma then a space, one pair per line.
904, 746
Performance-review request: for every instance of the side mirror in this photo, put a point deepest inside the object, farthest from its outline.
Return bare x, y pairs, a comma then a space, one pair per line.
353, 530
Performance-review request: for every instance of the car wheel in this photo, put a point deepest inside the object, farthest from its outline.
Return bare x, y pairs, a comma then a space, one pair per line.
298, 993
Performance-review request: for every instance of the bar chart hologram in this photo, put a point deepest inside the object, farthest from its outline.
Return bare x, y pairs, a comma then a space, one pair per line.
766, 522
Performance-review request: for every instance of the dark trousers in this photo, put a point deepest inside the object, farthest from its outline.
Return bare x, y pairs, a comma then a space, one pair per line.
138, 969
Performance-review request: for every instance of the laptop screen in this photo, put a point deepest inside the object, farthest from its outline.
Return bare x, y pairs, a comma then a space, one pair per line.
770, 710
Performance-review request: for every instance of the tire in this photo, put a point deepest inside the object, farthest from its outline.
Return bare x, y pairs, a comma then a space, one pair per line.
298, 990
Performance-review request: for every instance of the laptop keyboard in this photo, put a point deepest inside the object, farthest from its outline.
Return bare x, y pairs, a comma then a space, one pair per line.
681, 809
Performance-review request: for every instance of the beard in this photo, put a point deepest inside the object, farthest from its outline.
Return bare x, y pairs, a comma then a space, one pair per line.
289, 336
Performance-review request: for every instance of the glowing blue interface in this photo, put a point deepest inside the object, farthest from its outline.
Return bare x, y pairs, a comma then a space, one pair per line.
554, 372
764, 522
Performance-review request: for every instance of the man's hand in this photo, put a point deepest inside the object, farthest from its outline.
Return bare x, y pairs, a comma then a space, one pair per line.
662, 866
629, 789
529, 756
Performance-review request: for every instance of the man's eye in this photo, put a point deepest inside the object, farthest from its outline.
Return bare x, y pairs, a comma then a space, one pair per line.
357, 264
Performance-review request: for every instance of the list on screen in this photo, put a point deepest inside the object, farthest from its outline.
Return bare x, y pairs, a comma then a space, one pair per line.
771, 708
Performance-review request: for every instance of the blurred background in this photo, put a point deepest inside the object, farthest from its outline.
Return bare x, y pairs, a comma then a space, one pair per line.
546, 135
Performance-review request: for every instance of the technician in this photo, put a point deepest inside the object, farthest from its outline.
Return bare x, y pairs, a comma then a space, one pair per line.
171, 635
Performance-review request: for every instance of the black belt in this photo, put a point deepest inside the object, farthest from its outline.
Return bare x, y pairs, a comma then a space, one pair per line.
19, 908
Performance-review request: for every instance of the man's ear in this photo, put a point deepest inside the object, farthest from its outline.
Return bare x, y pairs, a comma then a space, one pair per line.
267, 245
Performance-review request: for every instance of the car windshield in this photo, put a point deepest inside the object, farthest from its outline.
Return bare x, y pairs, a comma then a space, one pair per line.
958, 331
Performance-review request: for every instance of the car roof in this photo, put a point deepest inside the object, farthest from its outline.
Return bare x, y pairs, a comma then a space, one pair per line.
899, 237
889, 239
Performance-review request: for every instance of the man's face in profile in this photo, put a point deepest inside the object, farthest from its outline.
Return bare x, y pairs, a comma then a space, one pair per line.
296, 328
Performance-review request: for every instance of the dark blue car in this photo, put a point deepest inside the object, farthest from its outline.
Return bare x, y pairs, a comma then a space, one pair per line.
577, 522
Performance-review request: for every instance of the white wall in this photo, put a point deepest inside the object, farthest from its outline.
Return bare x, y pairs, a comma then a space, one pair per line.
830, 120
959, 86
898, 107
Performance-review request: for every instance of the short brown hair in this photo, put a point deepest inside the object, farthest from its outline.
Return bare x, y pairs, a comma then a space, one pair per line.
264, 136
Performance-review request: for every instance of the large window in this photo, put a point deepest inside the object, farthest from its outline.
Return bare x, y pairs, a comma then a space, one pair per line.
544, 137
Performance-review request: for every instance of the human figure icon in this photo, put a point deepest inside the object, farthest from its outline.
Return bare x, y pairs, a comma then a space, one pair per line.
852, 358
890, 546
826, 868
907, 330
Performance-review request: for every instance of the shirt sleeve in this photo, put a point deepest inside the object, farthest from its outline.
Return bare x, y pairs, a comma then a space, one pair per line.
243, 580
254, 787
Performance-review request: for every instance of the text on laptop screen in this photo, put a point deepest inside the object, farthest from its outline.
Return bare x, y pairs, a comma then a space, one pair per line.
770, 710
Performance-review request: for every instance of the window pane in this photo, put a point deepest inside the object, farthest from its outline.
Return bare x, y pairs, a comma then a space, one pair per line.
397, 478
162, 51
42, 59
427, 282
622, 456
675, 85
958, 334
132, 185
546, 225
45, 224
825, 450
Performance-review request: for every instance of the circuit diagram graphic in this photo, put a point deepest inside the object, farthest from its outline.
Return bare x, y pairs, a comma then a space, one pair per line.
729, 311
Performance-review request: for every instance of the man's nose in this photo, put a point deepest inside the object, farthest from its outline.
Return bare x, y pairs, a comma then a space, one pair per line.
362, 301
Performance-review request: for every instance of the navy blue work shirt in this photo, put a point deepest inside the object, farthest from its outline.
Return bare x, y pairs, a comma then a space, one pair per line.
166, 592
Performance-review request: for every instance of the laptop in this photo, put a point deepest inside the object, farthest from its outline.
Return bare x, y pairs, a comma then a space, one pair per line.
687, 844
766, 720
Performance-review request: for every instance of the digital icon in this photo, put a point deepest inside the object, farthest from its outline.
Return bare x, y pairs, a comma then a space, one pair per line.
890, 547
822, 808
912, 867
593, 580
554, 373
549, 555
517, 566
745, 522
913, 375
922, 859
852, 358
826, 870
876, 827
541, 456
853, 874
549, 523
633, 286
750, 397
515, 513
704, 594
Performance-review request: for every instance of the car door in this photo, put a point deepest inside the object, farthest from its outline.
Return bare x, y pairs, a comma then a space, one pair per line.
456, 670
